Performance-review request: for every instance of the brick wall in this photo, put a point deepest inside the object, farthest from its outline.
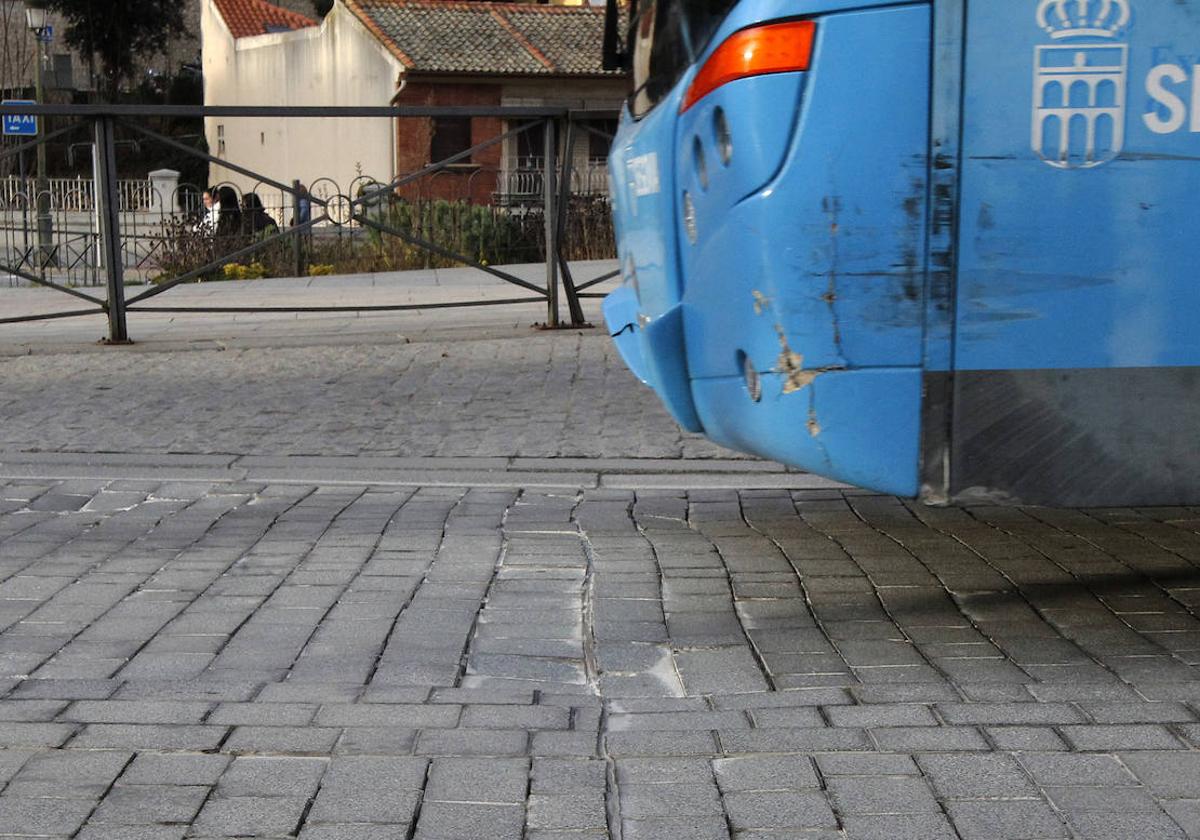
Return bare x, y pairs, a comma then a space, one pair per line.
476, 183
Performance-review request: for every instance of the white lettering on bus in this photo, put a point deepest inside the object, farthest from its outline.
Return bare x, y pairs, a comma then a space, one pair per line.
1176, 109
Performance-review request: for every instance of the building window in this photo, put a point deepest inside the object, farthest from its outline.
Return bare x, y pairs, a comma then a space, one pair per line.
220, 141
451, 135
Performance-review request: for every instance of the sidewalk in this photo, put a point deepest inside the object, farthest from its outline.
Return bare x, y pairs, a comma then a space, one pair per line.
402, 288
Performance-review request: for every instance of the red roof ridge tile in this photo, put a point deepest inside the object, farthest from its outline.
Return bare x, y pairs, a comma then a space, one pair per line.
520, 38
247, 18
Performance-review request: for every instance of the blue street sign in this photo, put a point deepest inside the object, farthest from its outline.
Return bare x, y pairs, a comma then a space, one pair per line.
20, 125
46, 35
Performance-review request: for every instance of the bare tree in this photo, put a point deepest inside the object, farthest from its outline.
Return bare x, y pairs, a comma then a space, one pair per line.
16, 48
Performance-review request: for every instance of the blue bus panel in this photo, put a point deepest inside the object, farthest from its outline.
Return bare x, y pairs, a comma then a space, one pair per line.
945, 254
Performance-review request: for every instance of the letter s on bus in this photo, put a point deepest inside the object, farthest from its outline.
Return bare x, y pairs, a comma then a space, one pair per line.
1176, 109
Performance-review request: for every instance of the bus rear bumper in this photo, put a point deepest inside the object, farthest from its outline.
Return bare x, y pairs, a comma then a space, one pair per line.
832, 426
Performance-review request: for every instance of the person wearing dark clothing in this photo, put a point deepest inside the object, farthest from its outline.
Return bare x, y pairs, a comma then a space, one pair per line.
254, 216
229, 217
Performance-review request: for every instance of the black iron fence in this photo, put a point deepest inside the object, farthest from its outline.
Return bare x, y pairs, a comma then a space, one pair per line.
87, 237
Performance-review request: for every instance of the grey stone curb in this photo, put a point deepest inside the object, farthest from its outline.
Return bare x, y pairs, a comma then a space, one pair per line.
623, 474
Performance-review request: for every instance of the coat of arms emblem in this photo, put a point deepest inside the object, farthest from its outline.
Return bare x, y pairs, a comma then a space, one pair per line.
1080, 82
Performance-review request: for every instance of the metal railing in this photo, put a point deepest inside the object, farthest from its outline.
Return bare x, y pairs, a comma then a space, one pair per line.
76, 194
112, 227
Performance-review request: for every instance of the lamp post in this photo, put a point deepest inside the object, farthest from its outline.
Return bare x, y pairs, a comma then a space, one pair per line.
37, 21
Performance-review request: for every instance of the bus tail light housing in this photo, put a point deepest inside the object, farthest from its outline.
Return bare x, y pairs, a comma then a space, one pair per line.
772, 48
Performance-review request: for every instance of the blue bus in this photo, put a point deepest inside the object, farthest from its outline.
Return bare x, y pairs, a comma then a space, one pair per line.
943, 249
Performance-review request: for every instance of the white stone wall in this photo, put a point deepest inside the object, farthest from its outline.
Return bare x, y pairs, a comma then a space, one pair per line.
336, 64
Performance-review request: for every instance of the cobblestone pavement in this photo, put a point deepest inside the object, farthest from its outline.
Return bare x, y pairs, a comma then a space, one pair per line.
542, 395
236, 660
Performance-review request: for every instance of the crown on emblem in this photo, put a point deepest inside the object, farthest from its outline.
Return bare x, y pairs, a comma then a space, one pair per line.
1083, 18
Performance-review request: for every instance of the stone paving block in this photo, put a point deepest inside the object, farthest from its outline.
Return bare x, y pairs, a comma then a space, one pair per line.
251, 816
1078, 769
354, 831
784, 699
516, 717
262, 714
38, 817
1161, 712
687, 721
571, 811
1103, 825
719, 671
150, 805
468, 742
283, 740
35, 734
1186, 813
930, 692
133, 711
1129, 800
784, 718
332, 693
881, 795
1024, 738
779, 810
462, 820
478, 780
977, 776
660, 771
369, 789
1012, 820
873, 716
660, 743
643, 802
929, 739
810, 739
1117, 738
1168, 775
174, 769
271, 776
401, 715
564, 744
99, 736
1010, 714
66, 689
675, 829
568, 775
133, 832
31, 710
866, 764
898, 827
777, 772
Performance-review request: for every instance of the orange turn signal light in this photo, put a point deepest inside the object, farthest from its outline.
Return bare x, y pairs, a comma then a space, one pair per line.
757, 51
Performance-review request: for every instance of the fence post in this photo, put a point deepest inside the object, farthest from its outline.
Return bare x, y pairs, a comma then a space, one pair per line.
564, 211
297, 245
549, 200
110, 228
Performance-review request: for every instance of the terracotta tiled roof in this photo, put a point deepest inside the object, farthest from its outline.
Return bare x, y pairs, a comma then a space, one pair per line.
481, 38
246, 18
